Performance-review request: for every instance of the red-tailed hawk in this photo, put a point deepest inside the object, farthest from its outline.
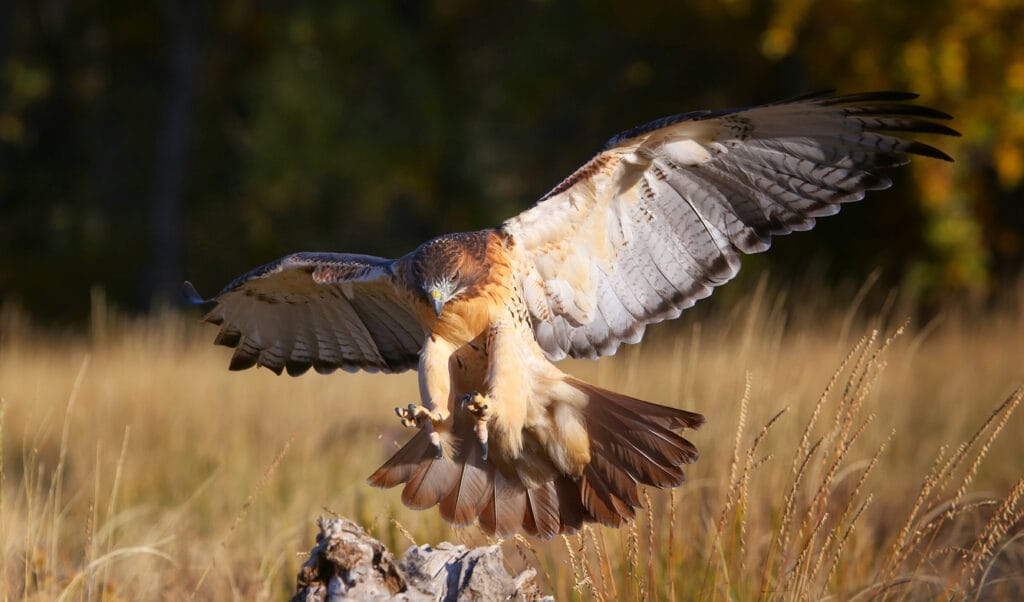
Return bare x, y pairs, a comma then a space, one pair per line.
640, 232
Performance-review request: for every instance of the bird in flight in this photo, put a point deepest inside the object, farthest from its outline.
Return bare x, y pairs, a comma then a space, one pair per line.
652, 223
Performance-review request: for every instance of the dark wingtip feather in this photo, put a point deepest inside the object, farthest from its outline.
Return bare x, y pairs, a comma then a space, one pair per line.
827, 92
901, 109
889, 123
869, 181
923, 127
926, 150
881, 95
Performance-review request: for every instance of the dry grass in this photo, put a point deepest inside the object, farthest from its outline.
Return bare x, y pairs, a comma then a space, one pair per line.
844, 456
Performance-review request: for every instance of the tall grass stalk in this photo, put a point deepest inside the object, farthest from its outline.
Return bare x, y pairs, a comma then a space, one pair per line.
846, 455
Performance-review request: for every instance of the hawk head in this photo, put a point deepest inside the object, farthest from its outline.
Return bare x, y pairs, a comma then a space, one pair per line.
445, 267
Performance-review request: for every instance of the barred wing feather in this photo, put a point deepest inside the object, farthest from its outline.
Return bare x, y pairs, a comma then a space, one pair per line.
662, 214
319, 310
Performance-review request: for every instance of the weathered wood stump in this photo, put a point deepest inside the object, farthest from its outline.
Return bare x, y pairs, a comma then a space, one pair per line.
348, 564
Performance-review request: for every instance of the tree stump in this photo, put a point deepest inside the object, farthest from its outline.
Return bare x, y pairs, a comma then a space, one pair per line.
348, 564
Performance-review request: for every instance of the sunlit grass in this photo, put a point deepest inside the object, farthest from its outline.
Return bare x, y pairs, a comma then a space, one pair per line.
135, 466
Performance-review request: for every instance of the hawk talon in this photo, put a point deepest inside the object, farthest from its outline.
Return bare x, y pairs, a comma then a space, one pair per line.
474, 403
407, 416
435, 441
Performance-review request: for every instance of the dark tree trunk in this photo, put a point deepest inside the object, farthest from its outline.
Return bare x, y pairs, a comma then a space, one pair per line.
6, 16
166, 223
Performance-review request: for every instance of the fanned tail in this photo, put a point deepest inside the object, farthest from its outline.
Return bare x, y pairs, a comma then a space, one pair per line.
632, 443
468, 489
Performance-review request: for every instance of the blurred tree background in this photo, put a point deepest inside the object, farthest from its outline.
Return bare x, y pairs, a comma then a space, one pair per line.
145, 142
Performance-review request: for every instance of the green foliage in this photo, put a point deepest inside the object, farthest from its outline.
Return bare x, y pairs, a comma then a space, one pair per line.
370, 126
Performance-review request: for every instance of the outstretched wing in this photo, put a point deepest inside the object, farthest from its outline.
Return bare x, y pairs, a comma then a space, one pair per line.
320, 310
660, 216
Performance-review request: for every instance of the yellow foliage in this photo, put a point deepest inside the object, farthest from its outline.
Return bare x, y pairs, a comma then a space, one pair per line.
1009, 162
1015, 74
953, 64
936, 183
962, 56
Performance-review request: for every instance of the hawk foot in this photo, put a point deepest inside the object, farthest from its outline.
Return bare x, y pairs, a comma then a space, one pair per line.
476, 404
421, 417
418, 416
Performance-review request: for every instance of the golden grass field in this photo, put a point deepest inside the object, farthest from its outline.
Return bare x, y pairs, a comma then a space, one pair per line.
136, 467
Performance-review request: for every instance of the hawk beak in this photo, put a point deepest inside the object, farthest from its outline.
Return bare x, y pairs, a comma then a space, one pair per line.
437, 300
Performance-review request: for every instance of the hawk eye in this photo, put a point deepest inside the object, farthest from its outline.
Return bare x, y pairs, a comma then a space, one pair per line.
457, 275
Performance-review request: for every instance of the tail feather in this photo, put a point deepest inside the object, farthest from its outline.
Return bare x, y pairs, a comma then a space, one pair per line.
603, 504
664, 416
643, 466
542, 511
505, 508
631, 443
615, 478
572, 513
660, 444
431, 483
401, 466
469, 495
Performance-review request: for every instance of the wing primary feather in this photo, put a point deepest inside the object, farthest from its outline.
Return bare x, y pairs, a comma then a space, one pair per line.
905, 124
901, 109
883, 96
